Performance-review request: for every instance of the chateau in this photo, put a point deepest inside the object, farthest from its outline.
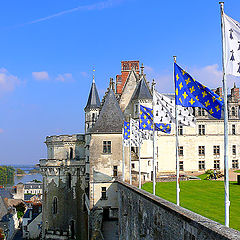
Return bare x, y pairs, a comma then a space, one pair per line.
79, 188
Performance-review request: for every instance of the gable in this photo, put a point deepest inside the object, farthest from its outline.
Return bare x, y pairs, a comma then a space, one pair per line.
128, 90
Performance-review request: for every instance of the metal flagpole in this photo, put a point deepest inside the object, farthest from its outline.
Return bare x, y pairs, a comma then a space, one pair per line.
177, 157
130, 157
226, 170
123, 158
139, 166
139, 150
154, 171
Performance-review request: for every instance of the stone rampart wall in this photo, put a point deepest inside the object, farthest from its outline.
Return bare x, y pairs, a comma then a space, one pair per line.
145, 216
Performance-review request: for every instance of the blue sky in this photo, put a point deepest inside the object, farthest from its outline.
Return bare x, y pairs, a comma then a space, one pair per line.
48, 50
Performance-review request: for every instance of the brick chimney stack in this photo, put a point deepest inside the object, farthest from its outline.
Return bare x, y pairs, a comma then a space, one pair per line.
235, 93
126, 68
219, 91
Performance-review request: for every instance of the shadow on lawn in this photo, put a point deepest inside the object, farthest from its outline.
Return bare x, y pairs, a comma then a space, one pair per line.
234, 183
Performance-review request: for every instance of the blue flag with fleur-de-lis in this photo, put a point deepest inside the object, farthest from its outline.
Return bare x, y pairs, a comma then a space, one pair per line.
126, 133
146, 121
191, 93
126, 130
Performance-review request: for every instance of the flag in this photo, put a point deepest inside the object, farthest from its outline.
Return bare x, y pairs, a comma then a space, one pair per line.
126, 133
232, 45
164, 111
135, 134
146, 121
191, 93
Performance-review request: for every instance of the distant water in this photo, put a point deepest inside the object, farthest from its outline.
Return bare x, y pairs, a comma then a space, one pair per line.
27, 178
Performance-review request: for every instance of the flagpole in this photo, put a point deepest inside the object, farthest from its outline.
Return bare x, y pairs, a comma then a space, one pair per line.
139, 150
177, 157
154, 172
130, 156
226, 170
123, 157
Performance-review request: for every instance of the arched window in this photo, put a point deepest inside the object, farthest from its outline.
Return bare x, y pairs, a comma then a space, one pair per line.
55, 205
69, 180
233, 111
72, 228
71, 153
93, 117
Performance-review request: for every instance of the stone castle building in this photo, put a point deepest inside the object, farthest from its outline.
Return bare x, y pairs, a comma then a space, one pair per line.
78, 175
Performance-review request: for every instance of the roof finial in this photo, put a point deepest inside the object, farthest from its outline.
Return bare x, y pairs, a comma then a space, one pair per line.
153, 85
142, 68
111, 84
234, 85
93, 74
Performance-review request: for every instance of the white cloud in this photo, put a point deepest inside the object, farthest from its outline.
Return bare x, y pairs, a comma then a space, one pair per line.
84, 74
40, 75
148, 69
8, 82
209, 75
64, 77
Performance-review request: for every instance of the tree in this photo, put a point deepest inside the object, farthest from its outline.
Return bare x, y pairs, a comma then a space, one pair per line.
20, 171
21, 207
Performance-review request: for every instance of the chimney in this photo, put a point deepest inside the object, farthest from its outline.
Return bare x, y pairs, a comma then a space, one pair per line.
219, 91
235, 93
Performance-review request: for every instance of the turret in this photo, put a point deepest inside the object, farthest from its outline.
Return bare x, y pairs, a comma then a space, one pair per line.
92, 108
142, 95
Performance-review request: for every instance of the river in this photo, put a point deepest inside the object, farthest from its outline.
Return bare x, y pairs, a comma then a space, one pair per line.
26, 178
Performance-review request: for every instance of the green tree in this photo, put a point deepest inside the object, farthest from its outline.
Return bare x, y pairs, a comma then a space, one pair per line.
20, 171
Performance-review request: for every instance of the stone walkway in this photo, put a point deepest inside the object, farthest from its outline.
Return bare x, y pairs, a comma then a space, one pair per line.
110, 230
232, 176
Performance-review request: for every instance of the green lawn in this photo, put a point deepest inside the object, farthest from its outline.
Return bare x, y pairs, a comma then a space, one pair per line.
204, 197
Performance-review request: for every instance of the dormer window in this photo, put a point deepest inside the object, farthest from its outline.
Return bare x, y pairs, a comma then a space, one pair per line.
233, 111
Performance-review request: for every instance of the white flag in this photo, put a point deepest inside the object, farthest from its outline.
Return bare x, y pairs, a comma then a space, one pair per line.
126, 142
164, 111
135, 134
232, 47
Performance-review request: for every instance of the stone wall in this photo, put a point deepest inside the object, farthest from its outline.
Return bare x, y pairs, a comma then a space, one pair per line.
64, 180
144, 216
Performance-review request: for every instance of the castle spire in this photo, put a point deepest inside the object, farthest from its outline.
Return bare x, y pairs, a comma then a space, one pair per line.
93, 98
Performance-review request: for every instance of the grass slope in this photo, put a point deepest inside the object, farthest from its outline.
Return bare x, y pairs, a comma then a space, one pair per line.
203, 197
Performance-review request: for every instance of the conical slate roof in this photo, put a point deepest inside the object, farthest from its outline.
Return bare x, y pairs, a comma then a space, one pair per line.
111, 117
93, 98
142, 91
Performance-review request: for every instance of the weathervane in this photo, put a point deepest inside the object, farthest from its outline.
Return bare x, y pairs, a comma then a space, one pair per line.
93, 74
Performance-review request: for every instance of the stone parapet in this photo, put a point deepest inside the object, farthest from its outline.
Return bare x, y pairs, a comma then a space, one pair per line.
145, 216
65, 138
61, 163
